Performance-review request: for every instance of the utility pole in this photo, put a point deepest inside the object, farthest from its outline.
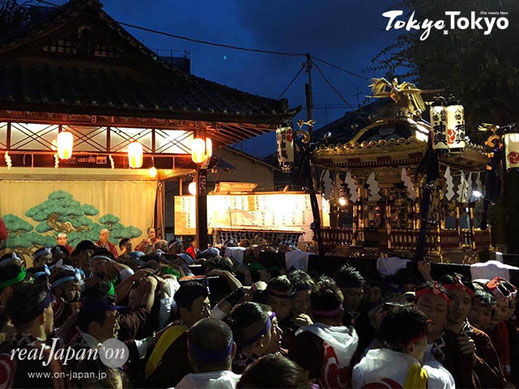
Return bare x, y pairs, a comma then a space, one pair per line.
308, 93
307, 169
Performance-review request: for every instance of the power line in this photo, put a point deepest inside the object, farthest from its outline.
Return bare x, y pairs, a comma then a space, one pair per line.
210, 43
43, 2
337, 91
293, 80
340, 68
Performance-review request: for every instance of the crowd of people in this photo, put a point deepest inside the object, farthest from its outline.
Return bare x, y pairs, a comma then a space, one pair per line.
227, 317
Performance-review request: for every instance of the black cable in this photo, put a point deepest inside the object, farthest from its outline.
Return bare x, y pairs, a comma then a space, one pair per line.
338, 93
45, 2
224, 45
340, 68
210, 43
293, 80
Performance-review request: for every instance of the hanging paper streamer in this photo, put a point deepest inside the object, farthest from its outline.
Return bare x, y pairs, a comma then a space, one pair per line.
462, 189
112, 164
469, 186
337, 186
56, 161
478, 182
449, 194
408, 183
327, 184
373, 188
352, 187
8, 160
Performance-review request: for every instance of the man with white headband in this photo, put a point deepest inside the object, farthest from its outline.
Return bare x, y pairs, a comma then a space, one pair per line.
40, 261
503, 337
61, 240
211, 349
12, 274
326, 347
66, 283
31, 312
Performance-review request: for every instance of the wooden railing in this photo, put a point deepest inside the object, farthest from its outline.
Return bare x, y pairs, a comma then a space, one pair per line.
405, 239
449, 239
337, 236
483, 239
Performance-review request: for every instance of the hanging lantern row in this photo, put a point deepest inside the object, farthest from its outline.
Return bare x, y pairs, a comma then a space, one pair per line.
448, 124
201, 150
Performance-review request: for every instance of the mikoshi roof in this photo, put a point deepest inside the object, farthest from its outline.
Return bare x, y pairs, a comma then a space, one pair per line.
75, 59
377, 135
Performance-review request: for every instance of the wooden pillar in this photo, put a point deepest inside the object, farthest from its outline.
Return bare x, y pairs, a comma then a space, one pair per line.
334, 214
388, 219
355, 224
201, 208
471, 227
439, 225
416, 215
458, 225
362, 211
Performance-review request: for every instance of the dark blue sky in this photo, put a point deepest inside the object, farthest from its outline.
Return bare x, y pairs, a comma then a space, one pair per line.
348, 33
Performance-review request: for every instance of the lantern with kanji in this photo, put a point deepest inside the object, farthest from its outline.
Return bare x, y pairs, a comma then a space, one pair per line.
455, 125
285, 145
439, 123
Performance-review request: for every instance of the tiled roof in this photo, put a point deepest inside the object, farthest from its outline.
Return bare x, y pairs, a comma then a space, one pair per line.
77, 59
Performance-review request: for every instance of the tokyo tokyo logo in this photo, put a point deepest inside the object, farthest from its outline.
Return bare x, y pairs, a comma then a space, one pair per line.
484, 21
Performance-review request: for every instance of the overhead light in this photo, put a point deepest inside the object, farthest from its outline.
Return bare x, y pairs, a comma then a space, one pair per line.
65, 144
342, 201
152, 172
477, 194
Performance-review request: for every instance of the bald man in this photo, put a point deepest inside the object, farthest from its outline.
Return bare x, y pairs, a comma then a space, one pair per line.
105, 243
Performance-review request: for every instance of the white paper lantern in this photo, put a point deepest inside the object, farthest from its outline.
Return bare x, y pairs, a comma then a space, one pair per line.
511, 150
65, 144
439, 124
285, 144
455, 127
